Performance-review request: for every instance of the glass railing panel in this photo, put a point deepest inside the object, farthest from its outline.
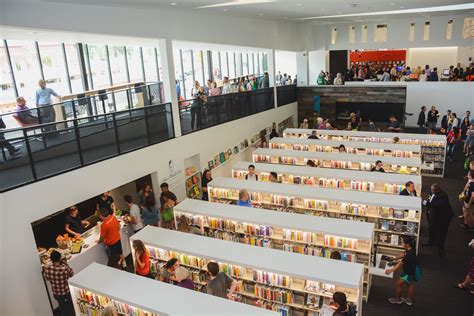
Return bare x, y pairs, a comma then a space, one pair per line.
98, 139
132, 130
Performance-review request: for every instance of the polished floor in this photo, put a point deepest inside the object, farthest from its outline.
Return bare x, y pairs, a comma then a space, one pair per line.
435, 294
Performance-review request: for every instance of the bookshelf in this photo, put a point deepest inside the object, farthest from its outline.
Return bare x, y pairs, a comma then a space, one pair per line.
98, 285
352, 147
291, 283
433, 147
379, 182
393, 215
316, 236
337, 160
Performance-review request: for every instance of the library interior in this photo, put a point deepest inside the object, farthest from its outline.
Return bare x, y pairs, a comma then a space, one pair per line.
237, 157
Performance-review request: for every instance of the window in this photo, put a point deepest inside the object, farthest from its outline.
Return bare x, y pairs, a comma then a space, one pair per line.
352, 35
232, 73
54, 68
151, 69
205, 61
245, 64
468, 28
364, 34
380, 35
411, 32
99, 67
333, 35
134, 64
449, 30
238, 65
426, 31
216, 65
258, 60
198, 67
188, 72
251, 64
264, 62
26, 68
7, 94
117, 64
74, 68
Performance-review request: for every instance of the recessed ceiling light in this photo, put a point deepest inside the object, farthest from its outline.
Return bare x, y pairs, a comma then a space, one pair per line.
173, 3
260, 14
299, 4
392, 3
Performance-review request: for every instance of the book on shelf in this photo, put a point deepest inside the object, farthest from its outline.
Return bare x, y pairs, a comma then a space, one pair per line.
400, 214
384, 225
394, 239
411, 228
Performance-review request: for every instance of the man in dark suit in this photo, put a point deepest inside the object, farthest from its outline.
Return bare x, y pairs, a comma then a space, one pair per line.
439, 215
422, 120
409, 189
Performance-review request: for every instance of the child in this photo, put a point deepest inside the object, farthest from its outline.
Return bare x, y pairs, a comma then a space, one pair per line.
411, 272
452, 139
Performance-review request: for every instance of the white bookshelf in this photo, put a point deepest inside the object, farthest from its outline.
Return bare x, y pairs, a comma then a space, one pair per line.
433, 147
98, 285
287, 273
316, 236
394, 216
380, 182
337, 160
367, 148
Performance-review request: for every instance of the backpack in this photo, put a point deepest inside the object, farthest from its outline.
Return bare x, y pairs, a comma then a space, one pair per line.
352, 311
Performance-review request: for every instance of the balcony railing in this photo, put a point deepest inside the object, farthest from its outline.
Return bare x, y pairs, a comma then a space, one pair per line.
286, 94
206, 112
53, 148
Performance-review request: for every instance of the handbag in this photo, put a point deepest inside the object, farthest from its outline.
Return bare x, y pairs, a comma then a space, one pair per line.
168, 214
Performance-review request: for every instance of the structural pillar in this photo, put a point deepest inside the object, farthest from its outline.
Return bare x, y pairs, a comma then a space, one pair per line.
302, 68
272, 73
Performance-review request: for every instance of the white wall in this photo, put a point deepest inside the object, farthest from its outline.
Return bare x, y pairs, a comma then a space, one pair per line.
21, 286
441, 57
317, 62
465, 55
455, 96
398, 33
149, 22
285, 62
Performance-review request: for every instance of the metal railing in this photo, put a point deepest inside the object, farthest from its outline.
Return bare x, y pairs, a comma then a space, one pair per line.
200, 113
49, 149
87, 106
286, 94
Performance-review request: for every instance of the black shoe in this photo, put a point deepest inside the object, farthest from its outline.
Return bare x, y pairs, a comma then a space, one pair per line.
14, 151
427, 245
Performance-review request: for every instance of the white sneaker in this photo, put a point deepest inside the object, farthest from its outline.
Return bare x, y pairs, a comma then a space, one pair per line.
395, 300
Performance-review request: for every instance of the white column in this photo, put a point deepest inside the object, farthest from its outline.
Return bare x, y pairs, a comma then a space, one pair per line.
169, 85
272, 73
302, 68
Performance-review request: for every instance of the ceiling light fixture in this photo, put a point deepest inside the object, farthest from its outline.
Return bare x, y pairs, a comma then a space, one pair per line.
392, 3
260, 14
173, 3
225, 10
299, 4
235, 3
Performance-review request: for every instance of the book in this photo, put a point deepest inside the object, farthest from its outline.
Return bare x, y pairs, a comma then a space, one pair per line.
394, 239
384, 225
398, 213
398, 226
411, 228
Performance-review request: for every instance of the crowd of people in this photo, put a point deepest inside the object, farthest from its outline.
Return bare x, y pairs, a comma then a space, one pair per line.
396, 72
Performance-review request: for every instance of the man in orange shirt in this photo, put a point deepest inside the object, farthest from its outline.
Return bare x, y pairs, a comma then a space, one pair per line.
110, 236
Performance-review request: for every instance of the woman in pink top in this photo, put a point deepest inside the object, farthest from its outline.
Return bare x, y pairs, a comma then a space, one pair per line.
214, 90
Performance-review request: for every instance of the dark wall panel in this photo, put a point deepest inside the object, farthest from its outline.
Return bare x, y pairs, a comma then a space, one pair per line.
337, 61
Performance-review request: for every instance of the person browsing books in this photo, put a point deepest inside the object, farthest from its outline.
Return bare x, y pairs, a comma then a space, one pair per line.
409, 189
206, 178
182, 275
251, 175
341, 306
220, 282
378, 167
439, 216
273, 177
411, 272
142, 259
244, 199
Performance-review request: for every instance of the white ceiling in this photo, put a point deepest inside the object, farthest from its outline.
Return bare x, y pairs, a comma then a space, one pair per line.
278, 9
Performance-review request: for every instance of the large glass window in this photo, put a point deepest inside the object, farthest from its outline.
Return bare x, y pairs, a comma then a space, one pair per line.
7, 90
245, 64
205, 59
25, 67
251, 64
134, 64
54, 68
216, 68
149, 61
99, 66
232, 73
117, 63
188, 72
198, 64
74, 68
238, 64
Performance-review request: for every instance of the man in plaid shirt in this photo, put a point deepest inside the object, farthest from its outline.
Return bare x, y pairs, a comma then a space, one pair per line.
57, 274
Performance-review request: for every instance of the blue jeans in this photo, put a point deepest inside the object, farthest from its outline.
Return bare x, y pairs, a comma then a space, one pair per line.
451, 150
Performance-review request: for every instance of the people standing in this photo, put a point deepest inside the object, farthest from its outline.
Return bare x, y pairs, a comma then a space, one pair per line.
434, 74
468, 199
265, 83
409, 189
110, 236
43, 102
220, 282
134, 217
321, 80
168, 211
145, 191
304, 124
445, 120
452, 139
142, 259
422, 120
206, 178
432, 118
411, 272
164, 187
106, 201
58, 274
214, 91
439, 216
251, 175
469, 279
150, 214
74, 225
227, 87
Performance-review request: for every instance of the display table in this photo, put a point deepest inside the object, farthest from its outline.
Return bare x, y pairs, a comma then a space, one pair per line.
130, 294
344, 179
